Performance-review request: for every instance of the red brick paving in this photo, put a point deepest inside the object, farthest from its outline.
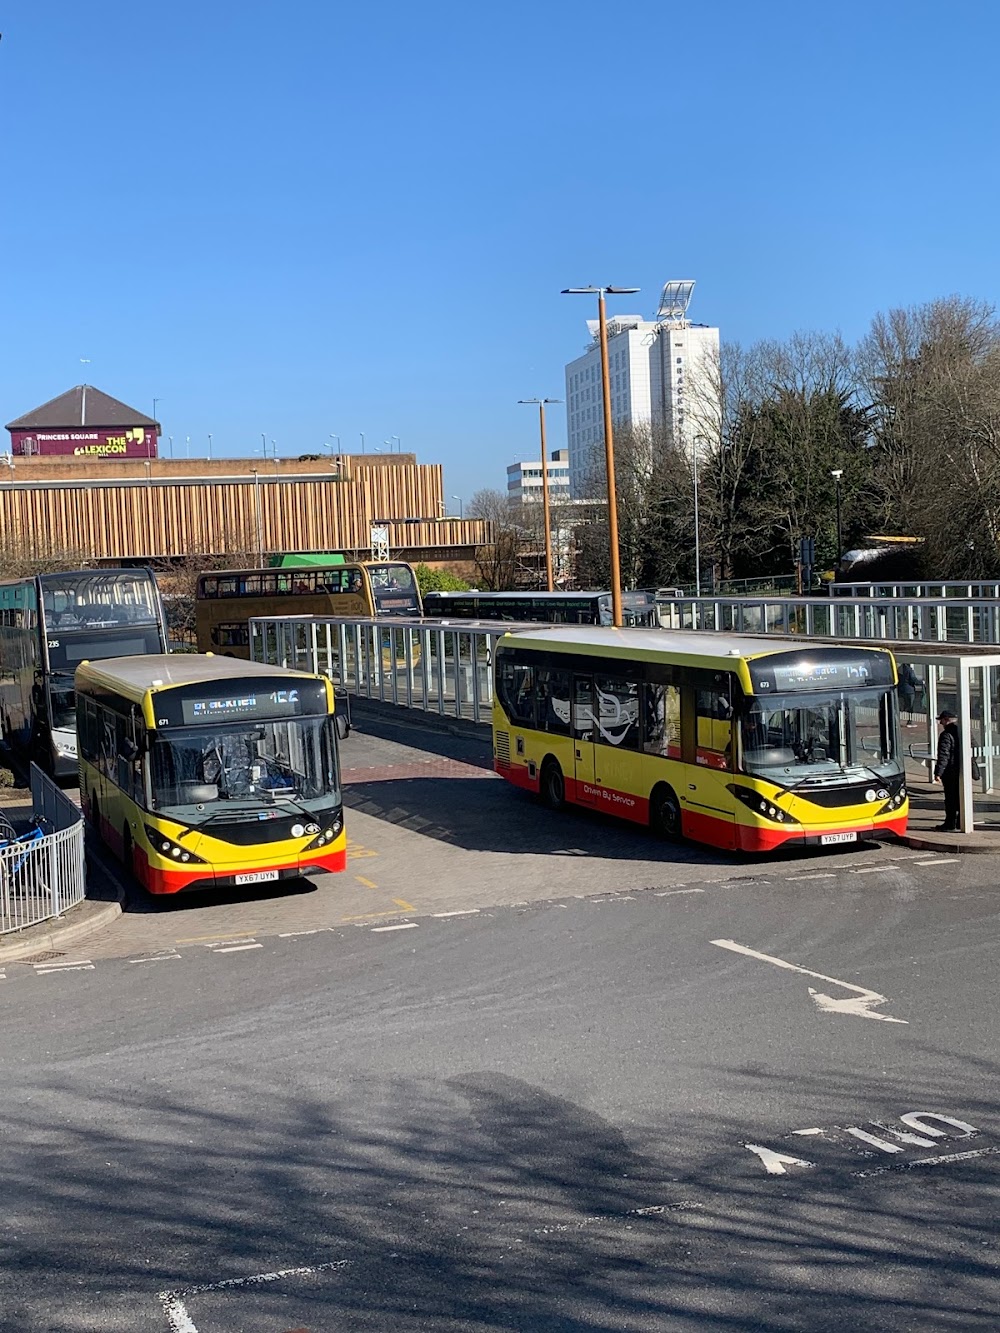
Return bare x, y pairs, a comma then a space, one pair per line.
421, 768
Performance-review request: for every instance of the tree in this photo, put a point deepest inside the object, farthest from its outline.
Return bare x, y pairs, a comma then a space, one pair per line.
438, 580
498, 560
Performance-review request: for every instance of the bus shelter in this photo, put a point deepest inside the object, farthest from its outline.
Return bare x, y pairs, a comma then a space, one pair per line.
444, 667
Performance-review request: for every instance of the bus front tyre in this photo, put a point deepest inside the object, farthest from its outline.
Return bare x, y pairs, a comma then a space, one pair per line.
665, 814
553, 785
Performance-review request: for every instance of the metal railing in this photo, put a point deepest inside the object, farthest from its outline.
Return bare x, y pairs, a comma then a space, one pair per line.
438, 666
43, 873
894, 620
896, 588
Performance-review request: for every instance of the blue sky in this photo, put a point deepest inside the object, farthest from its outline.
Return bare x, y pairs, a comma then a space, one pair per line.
314, 218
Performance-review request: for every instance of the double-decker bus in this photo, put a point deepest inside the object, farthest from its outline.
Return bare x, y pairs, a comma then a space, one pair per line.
556, 608
740, 743
201, 772
227, 600
48, 624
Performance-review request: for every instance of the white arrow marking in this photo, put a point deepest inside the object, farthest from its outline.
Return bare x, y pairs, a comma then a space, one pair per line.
775, 1162
860, 1007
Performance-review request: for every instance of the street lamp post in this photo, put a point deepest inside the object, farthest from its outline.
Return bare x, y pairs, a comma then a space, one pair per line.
260, 524
399, 443
210, 448
609, 444
334, 437
362, 434
549, 581
171, 440
461, 506
836, 474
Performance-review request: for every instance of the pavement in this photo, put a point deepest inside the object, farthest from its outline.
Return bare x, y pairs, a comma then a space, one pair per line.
107, 894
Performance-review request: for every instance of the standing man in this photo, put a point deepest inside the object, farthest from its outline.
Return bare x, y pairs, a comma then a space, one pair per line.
948, 768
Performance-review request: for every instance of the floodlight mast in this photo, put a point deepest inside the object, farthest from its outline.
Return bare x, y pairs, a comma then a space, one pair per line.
609, 444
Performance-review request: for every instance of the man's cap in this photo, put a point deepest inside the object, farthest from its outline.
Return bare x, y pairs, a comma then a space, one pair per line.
945, 716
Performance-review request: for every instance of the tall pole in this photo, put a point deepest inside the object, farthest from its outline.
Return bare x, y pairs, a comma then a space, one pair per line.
609, 443
609, 459
550, 585
836, 474
546, 520
260, 525
210, 448
697, 532
362, 434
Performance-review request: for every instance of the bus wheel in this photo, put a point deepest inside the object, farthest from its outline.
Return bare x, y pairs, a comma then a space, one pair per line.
553, 785
665, 813
343, 730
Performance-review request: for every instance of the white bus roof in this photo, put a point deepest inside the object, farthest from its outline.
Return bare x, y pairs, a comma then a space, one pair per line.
659, 643
164, 670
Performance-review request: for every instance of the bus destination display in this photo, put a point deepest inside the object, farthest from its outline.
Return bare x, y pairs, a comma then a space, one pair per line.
176, 708
822, 671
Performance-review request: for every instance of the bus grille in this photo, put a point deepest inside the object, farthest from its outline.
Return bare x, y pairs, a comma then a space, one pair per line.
503, 749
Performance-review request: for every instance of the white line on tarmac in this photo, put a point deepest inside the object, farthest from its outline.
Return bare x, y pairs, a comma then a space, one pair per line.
237, 948
928, 1161
406, 925
66, 967
181, 1322
468, 911
823, 875
54, 967
155, 958
948, 861
291, 934
869, 870
672, 893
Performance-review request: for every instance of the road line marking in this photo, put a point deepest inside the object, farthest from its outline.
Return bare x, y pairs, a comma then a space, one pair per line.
73, 967
155, 958
823, 875
173, 1301
808, 1131
948, 861
407, 907
366, 882
944, 1160
291, 934
467, 911
201, 939
238, 939
367, 916
238, 948
54, 967
405, 925
672, 893
869, 870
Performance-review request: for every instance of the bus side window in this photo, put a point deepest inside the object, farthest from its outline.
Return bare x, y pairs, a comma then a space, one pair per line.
554, 701
617, 712
662, 719
517, 685
715, 728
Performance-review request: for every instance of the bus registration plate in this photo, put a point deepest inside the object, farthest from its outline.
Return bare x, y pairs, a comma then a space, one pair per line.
256, 877
827, 838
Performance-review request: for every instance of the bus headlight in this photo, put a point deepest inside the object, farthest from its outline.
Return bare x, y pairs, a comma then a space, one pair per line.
893, 804
327, 835
762, 806
165, 846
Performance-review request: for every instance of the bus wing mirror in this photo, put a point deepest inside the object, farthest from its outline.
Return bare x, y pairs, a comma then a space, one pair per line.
130, 750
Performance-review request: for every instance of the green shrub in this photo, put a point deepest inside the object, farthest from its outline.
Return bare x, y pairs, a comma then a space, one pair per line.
438, 580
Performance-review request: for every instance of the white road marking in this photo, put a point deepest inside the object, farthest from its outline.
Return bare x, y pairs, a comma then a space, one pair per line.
237, 948
822, 875
944, 1160
292, 934
406, 925
54, 967
775, 1162
861, 1005
155, 958
948, 861
223, 944
672, 893
173, 1301
865, 1137
869, 870
805, 1132
469, 911
46, 969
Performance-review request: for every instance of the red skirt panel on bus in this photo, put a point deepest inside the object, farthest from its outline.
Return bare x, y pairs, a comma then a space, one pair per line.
158, 880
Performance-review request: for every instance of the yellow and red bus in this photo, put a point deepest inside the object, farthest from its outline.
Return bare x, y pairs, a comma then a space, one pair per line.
743, 744
227, 600
201, 772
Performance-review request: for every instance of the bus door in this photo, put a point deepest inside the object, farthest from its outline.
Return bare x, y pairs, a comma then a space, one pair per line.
707, 805
583, 740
